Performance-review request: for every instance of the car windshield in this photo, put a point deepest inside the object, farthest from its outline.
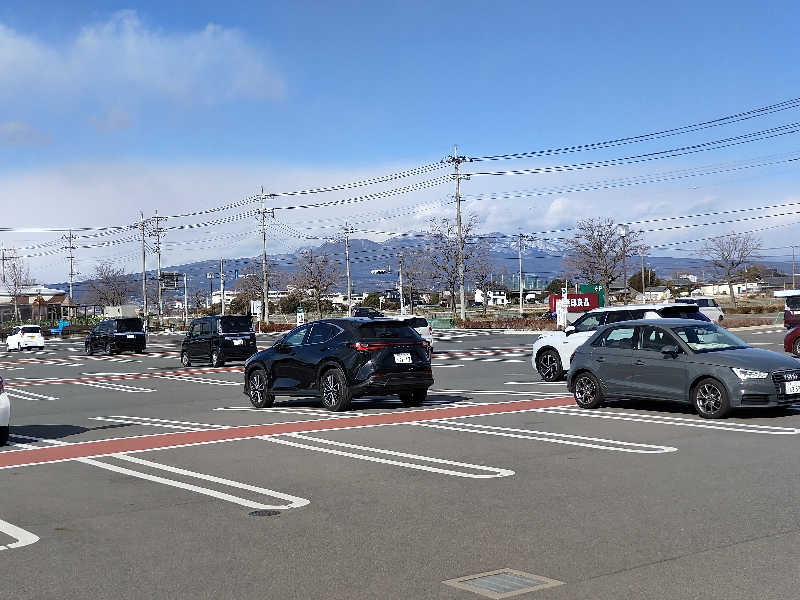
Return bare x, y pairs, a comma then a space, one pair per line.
793, 302
126, 325
235, 324
387, 330
708, 338
31, 330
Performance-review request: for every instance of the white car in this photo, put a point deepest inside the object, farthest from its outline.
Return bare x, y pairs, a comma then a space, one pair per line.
708, 306
5, 414
552, 352
26, 336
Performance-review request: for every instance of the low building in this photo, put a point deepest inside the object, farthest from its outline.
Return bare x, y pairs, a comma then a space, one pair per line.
37, 303
655, 294
492, 297
722, 289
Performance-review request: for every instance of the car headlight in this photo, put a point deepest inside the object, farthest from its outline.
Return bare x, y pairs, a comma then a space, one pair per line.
749, 374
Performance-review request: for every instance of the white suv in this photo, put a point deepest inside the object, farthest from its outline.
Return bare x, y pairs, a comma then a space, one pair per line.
552, 352
708, 306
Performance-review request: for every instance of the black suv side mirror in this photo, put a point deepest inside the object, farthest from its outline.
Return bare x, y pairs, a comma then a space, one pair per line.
671, 350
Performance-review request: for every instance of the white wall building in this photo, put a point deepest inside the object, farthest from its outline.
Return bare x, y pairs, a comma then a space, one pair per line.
721, 289
493, 298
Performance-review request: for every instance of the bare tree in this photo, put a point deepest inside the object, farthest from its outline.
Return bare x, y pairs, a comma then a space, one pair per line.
416, 273
596, 252
199, 299
729, 252
250, 281
316, 275
16, 276
443, 252
481, 273
109, 286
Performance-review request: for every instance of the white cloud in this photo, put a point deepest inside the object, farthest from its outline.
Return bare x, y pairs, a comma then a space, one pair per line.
17, 133
122, 56
115, 120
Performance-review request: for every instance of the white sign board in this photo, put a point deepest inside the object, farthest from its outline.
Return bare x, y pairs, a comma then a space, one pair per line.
301, 315
562, 307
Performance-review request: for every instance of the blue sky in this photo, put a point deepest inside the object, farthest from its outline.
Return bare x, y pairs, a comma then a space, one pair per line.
193, 104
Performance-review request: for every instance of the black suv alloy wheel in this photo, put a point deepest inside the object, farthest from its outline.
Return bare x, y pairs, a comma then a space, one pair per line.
335, 393
257, 389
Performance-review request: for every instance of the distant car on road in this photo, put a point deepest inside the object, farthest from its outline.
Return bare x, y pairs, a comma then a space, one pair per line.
552, 351
681, 360
708, 306
218, 339
25, 336
5, 414
116, 335
791, 308
366, 311
342, 359
791, 343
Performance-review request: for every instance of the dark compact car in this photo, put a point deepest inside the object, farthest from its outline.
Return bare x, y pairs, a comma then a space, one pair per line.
116, 335
681, 360
342, 359
791, 343
218, 339
366, 311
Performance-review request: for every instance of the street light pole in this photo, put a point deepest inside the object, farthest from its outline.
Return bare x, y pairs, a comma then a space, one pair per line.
623, 231
519, 256
643, 286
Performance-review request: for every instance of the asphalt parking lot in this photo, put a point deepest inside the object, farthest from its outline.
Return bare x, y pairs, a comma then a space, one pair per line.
132, 477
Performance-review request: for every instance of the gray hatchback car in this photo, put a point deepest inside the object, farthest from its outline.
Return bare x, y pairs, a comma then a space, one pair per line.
681, 360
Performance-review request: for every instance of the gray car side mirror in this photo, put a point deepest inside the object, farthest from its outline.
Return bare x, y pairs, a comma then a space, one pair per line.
672, 350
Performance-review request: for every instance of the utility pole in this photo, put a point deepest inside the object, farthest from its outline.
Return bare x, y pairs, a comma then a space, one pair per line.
143, 227
69, 247
4, 258
519, 253
643, 287
402, 302
347, 263
456, 160
262, 216
185, 302
157, 233
794, 286
221, 288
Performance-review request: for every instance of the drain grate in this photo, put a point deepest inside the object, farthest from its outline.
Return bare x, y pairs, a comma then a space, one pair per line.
264, 513
503, 583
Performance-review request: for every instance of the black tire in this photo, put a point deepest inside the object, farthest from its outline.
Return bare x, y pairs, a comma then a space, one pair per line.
587, 391
710, 399
107, 349
336, 394
185, 360
796, 347
88, 349
141, 350
257, 388
415, 398
217, 360
4, 435
548, 365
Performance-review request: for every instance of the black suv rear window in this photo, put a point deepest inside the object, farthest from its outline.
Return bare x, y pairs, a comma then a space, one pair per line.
387, 330
126, 325
235, 324
684, 311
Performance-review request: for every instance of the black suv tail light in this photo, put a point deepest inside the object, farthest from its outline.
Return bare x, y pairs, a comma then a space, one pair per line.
368, 346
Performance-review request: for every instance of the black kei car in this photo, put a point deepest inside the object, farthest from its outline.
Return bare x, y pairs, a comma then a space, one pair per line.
116, 335
342, 359
218, 339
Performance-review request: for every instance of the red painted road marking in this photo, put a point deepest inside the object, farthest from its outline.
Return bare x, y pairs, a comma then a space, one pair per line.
17, 458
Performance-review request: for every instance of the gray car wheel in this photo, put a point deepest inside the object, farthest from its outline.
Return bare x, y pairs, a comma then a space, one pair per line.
257, 389
587, 391
548, 365
710, 399
335, 393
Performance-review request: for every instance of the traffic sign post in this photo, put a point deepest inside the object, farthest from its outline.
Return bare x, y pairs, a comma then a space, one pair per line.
301, 315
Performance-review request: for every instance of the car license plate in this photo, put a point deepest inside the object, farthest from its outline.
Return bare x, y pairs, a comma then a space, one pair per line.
238, 342
130, 336
792, 387
403, 357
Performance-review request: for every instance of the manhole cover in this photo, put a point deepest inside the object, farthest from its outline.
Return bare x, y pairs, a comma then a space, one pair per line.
264, 513
503, 583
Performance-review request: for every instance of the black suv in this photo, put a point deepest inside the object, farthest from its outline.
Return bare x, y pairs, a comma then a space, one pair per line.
218, 339
342, 359
116, 335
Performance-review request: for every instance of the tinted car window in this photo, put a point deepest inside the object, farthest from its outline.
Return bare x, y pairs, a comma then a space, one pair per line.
235, 324
126, 325
793, 302
615, 316
295, 337
589, 322
686, 311
31, 330
418, 322
619, 337
654, 338
205, 327
387, 330
321, 332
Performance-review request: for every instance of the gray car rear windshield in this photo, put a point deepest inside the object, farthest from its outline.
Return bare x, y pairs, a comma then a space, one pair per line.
387, 330
235, 324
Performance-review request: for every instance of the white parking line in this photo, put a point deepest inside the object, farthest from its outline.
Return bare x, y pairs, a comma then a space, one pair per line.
114, 387
550, 437
675, 421
206, 380
20, 394
24, 538
492, 472
293, 501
